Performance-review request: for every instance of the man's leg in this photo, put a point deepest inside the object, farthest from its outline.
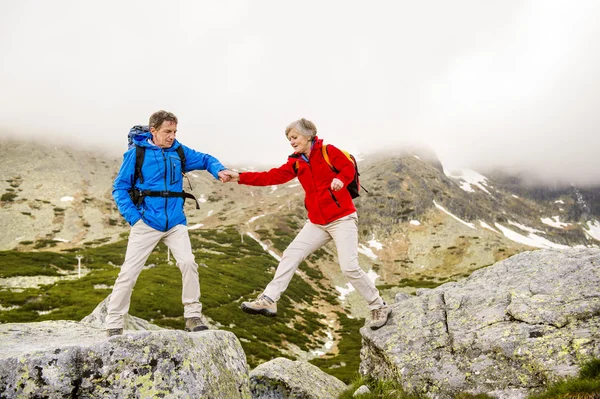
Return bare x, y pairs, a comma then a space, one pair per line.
142, 240
178, 241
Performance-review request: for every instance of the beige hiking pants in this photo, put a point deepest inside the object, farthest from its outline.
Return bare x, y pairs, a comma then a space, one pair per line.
344, 233
142, 241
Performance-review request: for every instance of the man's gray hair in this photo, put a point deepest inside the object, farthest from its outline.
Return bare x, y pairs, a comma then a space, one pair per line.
157, 118
304, 127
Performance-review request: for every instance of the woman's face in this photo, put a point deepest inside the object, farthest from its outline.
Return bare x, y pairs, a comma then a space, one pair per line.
299, 142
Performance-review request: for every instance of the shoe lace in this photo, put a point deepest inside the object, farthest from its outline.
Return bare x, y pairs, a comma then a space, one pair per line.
377, 313
263, 300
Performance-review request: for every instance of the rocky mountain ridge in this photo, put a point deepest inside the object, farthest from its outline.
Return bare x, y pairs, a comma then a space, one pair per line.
416, 221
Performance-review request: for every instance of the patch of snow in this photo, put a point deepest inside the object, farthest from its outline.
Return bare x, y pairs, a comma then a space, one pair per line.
60, 239
366, 251
264, 246
416, 156
3, 309
532, 239
374, 243
43, 312
202, 198
103, 287
487, 226
348, 288
344, 291
195, 227
470, 178
274, 255
273, 188
559, 202
515, 196
471, 225
415, 222
372, 275
554, 221
593, 229
525, 228
466, 187
252, 219
67, 199
326, 346
210, 212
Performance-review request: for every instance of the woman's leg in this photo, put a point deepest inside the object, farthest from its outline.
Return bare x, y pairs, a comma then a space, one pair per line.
310, 238
345, 235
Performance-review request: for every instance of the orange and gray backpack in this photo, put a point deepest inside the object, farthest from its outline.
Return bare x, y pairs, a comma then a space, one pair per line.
354, 186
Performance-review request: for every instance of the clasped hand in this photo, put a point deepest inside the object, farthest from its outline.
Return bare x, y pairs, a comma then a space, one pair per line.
228, 175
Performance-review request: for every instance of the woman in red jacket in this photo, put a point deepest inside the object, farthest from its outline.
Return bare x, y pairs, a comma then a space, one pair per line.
331, 215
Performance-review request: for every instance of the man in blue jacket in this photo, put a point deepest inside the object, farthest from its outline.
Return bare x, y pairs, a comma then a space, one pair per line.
158, 215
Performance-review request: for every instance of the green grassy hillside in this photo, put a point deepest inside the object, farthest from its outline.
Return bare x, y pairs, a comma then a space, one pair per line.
235, 271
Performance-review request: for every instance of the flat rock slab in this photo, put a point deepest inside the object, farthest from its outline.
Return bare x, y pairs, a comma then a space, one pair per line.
57, 359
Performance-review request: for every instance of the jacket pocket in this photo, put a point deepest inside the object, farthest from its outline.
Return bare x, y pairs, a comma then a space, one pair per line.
175, 164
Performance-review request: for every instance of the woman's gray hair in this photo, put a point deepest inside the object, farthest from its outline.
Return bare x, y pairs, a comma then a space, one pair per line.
304, 127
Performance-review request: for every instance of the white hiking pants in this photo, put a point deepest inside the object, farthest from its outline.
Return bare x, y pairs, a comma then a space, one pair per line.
142, 241
344, 233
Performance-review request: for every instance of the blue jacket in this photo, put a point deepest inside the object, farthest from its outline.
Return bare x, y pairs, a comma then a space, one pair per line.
162, 172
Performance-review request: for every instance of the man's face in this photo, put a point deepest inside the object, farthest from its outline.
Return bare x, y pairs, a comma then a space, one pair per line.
164, 136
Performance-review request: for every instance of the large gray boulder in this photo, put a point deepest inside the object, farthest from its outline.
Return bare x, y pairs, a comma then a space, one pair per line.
511, 327
58, 359
282, 378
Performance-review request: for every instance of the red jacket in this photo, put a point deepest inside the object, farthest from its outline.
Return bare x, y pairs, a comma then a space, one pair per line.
323, 205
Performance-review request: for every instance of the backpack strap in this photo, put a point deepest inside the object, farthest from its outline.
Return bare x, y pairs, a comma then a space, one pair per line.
182, 157
140, 152
326, 156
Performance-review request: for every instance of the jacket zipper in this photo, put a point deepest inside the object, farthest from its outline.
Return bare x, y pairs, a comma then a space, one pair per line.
166, 187
333, 196
315, 188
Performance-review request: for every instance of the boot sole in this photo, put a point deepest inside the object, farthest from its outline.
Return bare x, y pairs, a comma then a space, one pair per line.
264, 312
203, 328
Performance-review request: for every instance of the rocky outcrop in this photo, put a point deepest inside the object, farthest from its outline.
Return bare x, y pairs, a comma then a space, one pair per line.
511, 327
57, 359
283, 378
98, 317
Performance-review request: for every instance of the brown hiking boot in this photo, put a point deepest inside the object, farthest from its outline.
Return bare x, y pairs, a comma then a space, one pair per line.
379, 317
111, 332
194, 324
262, 305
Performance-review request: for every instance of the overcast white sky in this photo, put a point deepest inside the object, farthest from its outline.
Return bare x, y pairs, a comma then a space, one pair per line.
512, 84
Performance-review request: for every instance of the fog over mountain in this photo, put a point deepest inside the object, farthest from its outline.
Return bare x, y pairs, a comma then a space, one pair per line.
511, 85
